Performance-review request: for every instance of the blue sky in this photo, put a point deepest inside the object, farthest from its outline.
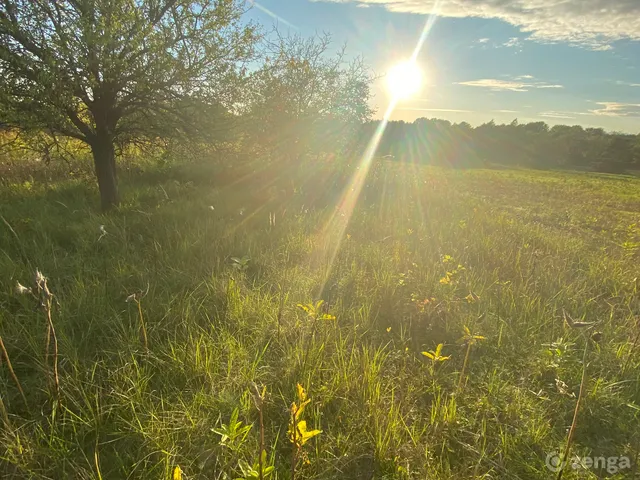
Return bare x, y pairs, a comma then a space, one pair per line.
561, 61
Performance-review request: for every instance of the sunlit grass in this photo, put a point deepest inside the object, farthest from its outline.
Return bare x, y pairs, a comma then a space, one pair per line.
231, 305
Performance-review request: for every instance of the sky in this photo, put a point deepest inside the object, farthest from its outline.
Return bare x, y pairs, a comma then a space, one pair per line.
571, 62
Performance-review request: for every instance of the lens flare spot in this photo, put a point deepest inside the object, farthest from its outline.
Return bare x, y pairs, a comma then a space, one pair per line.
404, 80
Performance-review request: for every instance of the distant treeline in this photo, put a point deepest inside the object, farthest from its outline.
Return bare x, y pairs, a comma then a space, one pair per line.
535, 145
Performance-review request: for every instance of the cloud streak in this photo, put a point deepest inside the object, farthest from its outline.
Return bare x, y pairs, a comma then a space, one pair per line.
590, 23
450, 110
564, 115
507, 85
616, 109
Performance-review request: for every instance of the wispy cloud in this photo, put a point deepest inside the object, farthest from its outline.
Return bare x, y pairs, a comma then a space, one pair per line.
482, 40
506, 111
601, 47
627, 84
507, 85
450, 110
616, 109
495, 84
512, 43
566, 115
590, 23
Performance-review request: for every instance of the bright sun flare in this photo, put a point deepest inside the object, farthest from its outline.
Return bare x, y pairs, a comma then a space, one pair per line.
404, 80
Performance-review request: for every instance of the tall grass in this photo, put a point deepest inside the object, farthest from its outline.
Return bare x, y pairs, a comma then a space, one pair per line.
524, 246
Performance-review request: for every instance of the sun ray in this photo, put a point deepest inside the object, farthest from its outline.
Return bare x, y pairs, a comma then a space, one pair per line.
335, 227
431, 19
334, 230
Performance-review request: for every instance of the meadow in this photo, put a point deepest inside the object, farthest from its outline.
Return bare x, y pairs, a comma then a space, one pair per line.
186, 319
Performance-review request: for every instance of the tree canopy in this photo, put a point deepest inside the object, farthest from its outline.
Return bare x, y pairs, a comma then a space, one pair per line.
304, 99
106, 71
533, 144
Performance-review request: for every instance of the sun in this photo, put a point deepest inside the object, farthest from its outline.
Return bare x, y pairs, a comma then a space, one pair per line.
404, 80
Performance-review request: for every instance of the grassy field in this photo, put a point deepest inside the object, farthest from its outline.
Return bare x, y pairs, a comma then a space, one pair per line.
227, 276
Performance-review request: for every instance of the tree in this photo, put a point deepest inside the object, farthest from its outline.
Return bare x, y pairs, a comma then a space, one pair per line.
619, 156
111, 71
532, 144
303, 100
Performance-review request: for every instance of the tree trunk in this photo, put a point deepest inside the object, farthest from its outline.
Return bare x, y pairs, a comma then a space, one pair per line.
104, 159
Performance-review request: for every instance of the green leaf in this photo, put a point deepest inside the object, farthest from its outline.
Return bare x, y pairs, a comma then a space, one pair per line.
222, 432
247, 470
233, 421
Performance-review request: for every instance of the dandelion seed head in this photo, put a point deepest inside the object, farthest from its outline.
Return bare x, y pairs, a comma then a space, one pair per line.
21, 289
41, 284
103, 233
